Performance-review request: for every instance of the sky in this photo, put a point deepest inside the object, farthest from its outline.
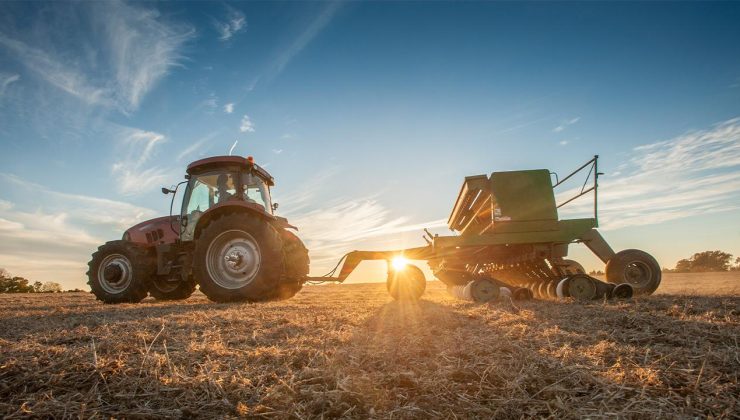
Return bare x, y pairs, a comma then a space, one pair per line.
368, 115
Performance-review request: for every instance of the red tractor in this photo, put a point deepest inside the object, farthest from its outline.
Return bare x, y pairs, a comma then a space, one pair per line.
226, 239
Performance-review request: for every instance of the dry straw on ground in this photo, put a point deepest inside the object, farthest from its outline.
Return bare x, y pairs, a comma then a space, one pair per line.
349, 351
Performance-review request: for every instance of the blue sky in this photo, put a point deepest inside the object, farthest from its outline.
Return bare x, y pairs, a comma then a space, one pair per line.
369, 115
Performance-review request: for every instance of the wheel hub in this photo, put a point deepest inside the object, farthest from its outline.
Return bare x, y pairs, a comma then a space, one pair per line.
112, 273
581, 287
637, 273
115, 273
233, 259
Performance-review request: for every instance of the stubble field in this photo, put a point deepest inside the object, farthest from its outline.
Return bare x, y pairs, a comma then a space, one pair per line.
350, 351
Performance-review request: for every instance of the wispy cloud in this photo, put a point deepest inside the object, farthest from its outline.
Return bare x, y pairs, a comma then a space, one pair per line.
51, 70
45, 246
197, 145
285, 56
210, 104
6, 80
246, 125
348, 223
277, 151
234, 23
53, 240
565, 124
143, 48
343, 223
316, 26
84, 209
692, 174
44, 227
135, 49
229, 108
136, 148
518, 126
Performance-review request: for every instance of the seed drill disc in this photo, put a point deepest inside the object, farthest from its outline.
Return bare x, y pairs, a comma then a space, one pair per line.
562, 288
623, 291
484, 290
542, 290
456, 291
552, 289
581, 287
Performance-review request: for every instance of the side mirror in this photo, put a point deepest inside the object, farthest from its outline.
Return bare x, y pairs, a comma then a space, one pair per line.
166, 191
275, 206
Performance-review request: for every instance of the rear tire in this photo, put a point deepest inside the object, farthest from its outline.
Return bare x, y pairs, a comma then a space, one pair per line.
119, 272
162, 288
637, 268
238, 258
296, 262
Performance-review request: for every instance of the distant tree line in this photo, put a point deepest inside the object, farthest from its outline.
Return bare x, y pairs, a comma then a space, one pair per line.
706, 261
15, 284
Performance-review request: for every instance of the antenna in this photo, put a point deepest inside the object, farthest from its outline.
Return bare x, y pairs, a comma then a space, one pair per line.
232, 147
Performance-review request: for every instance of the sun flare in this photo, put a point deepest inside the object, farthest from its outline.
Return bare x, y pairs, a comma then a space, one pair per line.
399, 263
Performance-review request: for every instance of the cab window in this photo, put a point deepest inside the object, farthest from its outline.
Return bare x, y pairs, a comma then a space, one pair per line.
256, 191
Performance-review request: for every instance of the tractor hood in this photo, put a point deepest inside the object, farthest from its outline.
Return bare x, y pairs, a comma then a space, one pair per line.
154, 232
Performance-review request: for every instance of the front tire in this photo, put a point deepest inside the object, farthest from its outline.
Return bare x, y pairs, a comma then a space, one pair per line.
637, 268
120, 272
238, 258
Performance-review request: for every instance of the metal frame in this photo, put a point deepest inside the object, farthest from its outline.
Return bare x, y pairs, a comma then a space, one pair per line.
593, 166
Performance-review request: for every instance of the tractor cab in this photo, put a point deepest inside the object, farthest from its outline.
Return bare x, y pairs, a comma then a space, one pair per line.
221, 181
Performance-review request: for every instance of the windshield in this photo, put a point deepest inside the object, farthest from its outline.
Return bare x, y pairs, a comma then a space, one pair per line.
256, 191
216, 187
205, 191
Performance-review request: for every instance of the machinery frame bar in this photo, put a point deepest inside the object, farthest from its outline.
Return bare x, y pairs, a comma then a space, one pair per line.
594, 169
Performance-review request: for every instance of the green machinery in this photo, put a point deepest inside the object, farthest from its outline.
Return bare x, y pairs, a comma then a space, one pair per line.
508, 235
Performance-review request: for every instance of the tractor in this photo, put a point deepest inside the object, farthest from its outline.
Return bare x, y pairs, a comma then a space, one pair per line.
226, 239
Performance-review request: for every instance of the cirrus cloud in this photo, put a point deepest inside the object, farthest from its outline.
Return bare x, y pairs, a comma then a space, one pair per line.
136, 48
695, 173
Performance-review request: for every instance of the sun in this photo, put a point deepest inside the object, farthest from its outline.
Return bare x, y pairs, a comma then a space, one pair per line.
399, 263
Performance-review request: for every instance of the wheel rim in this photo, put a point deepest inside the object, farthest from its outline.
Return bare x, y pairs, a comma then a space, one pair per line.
115, 273
581, 288
638, 274
483, 290
233, 259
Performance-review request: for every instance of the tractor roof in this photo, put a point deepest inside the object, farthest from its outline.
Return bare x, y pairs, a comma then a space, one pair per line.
217, 162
